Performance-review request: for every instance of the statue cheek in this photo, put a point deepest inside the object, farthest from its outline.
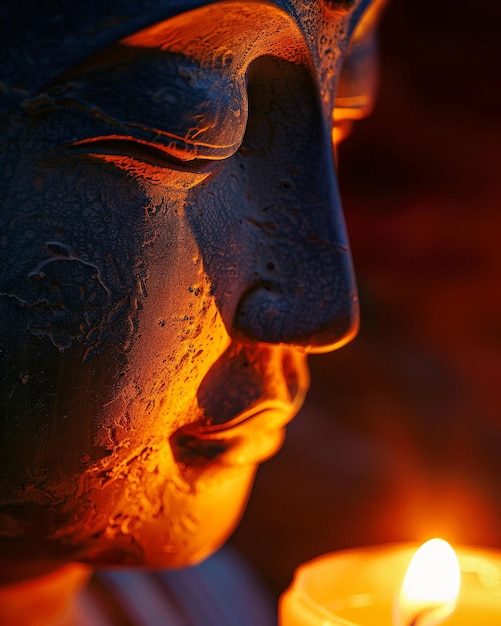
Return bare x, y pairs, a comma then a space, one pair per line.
67, 302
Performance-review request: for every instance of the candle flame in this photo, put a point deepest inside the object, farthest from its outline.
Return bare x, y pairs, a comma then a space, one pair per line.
431, 586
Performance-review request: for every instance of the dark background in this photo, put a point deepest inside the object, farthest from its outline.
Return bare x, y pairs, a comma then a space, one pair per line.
400, 438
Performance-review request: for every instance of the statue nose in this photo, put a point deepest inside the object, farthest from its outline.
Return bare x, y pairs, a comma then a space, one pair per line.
304, 291
269, 222
312, 303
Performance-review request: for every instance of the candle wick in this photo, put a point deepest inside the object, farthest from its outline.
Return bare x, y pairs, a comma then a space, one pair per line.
417, 619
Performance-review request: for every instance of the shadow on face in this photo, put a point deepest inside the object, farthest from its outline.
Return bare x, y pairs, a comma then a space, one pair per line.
173, 247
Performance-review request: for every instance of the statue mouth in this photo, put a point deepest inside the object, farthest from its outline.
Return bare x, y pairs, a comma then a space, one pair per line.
270, 415
246, 402
274, 413
249, 438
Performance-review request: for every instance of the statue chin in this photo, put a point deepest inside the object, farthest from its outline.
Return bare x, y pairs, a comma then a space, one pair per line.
193, 527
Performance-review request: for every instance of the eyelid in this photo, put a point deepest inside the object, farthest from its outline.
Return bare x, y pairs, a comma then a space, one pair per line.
177, 150
144, 160
186, 149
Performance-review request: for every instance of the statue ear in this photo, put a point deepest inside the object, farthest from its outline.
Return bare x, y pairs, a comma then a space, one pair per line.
358, 81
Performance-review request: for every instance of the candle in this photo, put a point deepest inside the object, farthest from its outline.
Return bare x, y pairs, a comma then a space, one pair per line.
365, 587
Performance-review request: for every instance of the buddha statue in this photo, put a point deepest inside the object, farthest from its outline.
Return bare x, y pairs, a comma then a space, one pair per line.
172, 249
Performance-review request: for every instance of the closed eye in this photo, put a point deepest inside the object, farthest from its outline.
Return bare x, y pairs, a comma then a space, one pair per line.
142, 151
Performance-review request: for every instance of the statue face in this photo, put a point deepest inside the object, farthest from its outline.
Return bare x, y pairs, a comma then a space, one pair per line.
172, 248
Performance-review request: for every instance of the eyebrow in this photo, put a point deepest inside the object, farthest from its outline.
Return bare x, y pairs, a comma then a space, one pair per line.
244, 31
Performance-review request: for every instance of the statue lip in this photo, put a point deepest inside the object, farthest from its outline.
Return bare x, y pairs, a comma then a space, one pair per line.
231, 430
269, 415
249, 438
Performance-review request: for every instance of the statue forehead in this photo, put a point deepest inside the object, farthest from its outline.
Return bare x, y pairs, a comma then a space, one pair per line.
43, 39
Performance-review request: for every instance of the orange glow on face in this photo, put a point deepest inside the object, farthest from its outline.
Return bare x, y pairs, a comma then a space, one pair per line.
238, 38
178, 327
